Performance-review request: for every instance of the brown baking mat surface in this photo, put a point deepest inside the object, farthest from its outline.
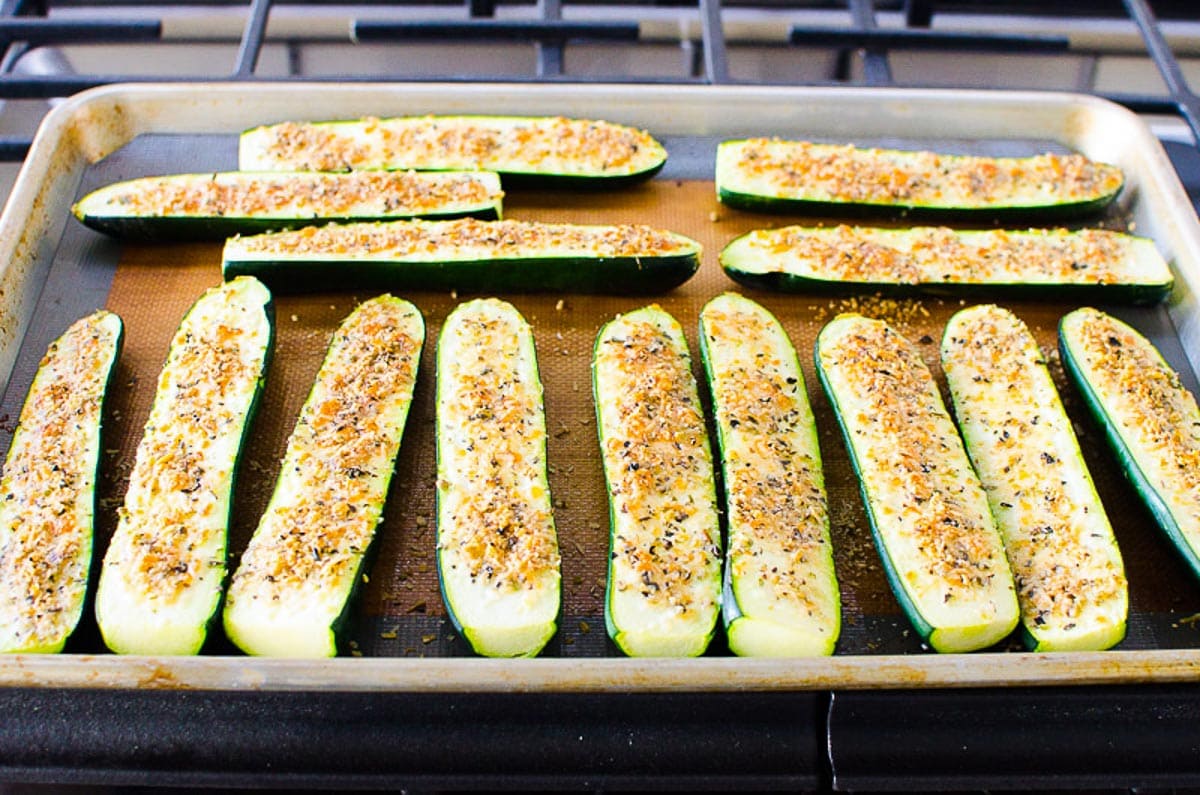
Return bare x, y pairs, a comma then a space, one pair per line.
400, 611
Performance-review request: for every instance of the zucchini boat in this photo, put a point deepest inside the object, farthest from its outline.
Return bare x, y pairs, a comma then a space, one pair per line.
1070, 578
466, 254
49, 488
295, 583
664, 567
540, 150
929, 515
161, 579
497, 551
771, 175
1091, 263
780, 594
1150, 419
217, 206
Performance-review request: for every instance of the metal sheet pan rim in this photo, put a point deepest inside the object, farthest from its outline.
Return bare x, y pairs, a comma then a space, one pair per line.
96, 122
711, 674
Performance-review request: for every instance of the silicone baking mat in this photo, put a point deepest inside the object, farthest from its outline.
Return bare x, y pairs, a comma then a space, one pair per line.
399, 611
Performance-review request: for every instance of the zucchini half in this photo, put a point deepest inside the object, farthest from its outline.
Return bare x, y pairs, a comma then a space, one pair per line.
1150, 419
1092, 263
928, 513
664, 567
466, 254
781, 594
770, 175
216, 206
160, 583
497, 551
49, 488
537, 150
295, 583
1070, 578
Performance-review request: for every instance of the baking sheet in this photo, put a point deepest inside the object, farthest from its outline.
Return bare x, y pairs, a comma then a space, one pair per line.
401, 613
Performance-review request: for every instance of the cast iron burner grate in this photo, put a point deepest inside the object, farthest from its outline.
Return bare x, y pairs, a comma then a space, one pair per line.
861, 41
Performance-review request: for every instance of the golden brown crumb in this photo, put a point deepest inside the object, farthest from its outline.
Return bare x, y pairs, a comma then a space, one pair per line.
844, 173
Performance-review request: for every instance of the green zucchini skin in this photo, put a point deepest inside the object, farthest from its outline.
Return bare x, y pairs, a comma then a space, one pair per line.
505, 260
780, 595
526, 150
299, 574
162, 575
497, 551
838, 260
664, 568
1070, 577
949, 571
883, 181
1150, 405
219, 205
49, 487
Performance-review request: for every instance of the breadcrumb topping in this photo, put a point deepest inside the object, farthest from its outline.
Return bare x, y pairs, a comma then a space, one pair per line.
845, 173
909, 452
658, 465
339, 459
46, 516
1153, 410
464, 239
778, 517
932, 255
1068, 571
243, 195
172, 525
515, 145
495, 506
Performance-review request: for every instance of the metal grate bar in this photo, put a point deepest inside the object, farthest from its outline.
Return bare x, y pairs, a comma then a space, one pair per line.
9, 10
481, 8
492, 30
876, 69
50, 86
252, 38
46, 31
1185, 100
550, 53
549, 33
716, 59
1143, 103
904, 39
13, 149
918, 13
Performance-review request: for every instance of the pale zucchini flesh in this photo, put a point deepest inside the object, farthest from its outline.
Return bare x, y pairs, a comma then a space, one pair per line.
1150, 419
218, 205
49, 488
773, 174
1032, 264
297, 576
929, 515
552, 148
664, 569
781, 594
162, 575
497, 550
1070, 577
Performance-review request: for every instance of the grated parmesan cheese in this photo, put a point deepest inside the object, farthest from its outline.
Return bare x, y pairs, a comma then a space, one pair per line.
1069, 574
48, 488
506, 144
847, 174
161, 577
665, 545
298, 570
